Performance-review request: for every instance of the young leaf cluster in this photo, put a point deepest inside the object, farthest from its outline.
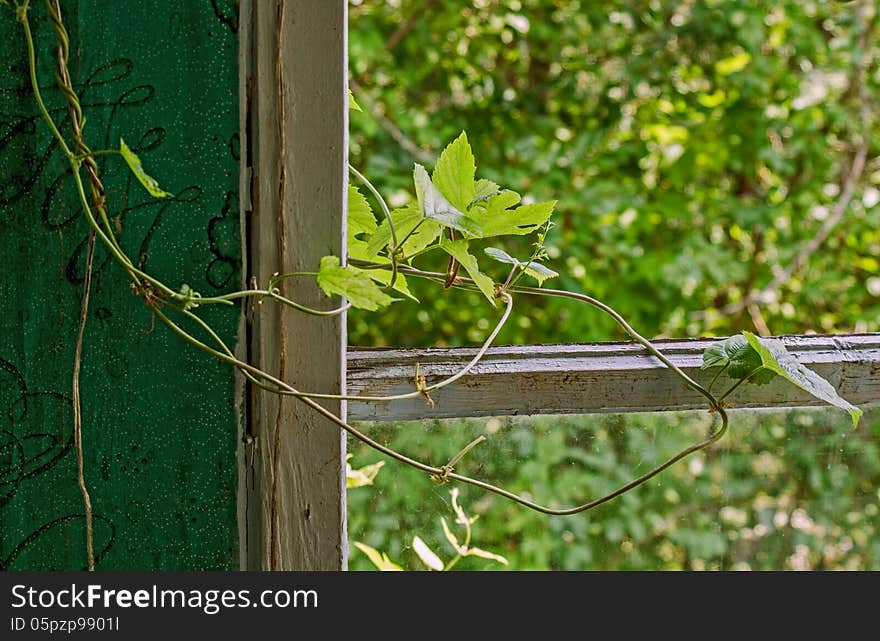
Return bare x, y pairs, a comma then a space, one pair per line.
451, 210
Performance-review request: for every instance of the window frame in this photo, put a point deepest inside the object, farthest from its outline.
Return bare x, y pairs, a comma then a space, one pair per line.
293, 67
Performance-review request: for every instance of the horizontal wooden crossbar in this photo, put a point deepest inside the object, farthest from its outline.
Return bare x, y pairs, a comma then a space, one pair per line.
593, 378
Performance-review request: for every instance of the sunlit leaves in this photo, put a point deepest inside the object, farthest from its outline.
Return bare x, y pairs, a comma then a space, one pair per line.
484, 189
352, 283
454, 173
412, 229
134, 163
451, 199
360, 216
383, 277
495, 219
434, 205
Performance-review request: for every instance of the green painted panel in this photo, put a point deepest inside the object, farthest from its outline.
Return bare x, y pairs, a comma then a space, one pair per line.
160, 418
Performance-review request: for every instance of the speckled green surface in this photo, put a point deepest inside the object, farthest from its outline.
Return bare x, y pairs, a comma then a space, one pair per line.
159, 417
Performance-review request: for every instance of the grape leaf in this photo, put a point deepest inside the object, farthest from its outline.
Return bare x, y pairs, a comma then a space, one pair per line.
458, 249
454, 173
740, 358
496, 219
434, 205
383, 277
354, 284
776, 358
360, 216
134, 163
405, 221
352, 103
534, 269
484, 190
360, 220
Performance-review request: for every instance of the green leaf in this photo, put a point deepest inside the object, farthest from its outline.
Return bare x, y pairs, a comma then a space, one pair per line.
352, 283
740, 358
352, 103
381, 561
539, 272
383, 277
496, 204
497, 220
134, 163
360, 216
426, 555
454, 173
483, 554
360, 220
434, 205
720, 353
501, 256
458, 249
534, 269
776, 358
406, 219
484, 190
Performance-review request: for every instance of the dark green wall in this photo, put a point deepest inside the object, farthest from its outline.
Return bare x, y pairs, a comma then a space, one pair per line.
160, 418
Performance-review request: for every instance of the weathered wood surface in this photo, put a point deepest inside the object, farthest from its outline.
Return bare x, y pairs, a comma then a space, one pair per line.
297, 102
593, 378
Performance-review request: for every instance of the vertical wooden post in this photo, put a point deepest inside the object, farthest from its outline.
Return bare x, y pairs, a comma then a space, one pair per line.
297, 139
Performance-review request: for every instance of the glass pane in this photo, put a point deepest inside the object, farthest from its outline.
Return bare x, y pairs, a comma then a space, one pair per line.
782, 490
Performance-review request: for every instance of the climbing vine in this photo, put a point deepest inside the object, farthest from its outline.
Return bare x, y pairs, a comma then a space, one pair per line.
453, 212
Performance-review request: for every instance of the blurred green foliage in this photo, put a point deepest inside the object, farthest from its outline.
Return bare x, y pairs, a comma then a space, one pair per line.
694, 148
782, 491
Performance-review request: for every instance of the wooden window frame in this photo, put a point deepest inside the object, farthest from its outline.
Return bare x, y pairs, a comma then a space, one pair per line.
294, 129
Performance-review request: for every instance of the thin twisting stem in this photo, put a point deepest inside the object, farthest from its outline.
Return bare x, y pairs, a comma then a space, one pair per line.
77, 406
431, 388
62, 78
443, 472
387, 213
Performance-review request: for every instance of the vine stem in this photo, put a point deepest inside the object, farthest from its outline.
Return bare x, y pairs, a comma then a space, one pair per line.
387, 213
77, 405
76, 123
443, 472
715, 377
738, 383
107, 237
